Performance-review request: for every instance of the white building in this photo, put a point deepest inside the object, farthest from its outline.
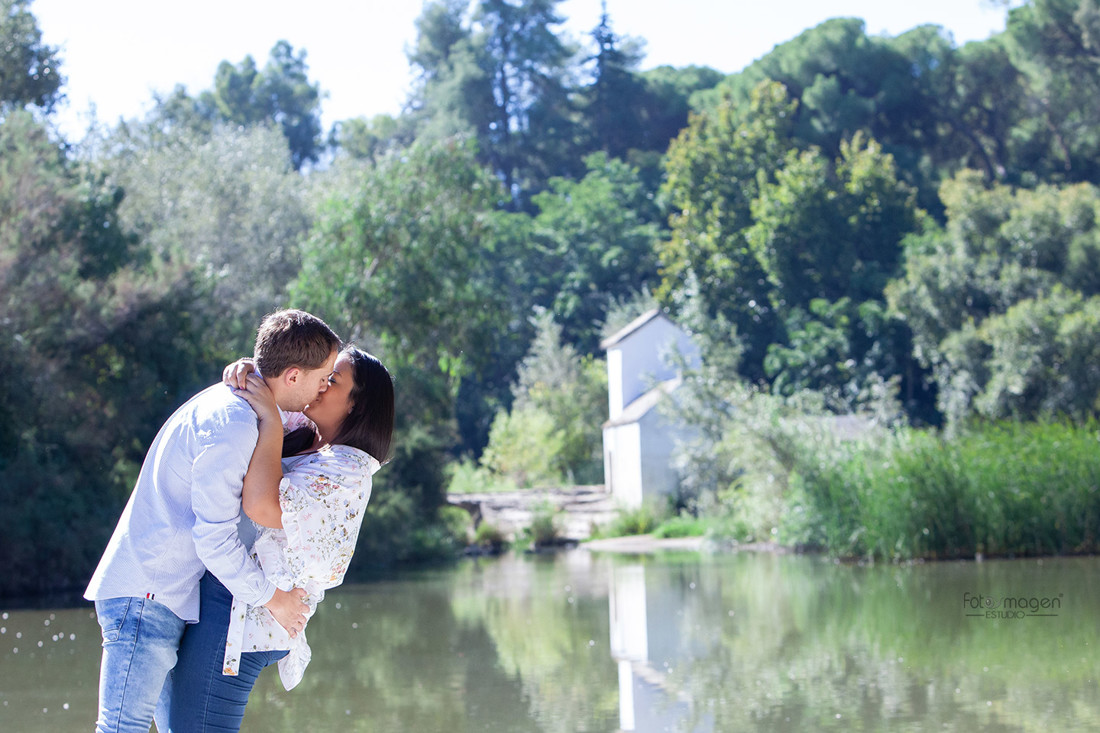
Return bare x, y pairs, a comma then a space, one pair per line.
637, 439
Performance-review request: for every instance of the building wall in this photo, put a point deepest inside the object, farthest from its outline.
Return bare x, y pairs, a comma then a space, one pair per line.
657, 440
637, 456
615, 402
622, 463
638, 361
638, 460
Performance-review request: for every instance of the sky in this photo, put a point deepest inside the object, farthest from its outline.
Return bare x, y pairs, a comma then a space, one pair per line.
117, 53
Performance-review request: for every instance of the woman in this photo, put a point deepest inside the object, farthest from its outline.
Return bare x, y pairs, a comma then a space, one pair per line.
308, 508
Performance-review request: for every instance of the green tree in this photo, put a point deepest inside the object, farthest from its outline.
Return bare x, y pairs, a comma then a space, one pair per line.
504, 78
552, 432
401, 259
849, 353
369, 139
1057, 42
599, 245
236, 94
228, 207
843, 80
714, 171
452, 94
934, 107
281, 93
173, 115
1038, 359
532, 134
294, 101
612, 106
29, 69
832, 231
97, 349
524, 448
974, 98
1000, 247
667, 101
817, 352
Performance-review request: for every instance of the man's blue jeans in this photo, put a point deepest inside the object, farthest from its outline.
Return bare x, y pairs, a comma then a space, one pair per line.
140, 640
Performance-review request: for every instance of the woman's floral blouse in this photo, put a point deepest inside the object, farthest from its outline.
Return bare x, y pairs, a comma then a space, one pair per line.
323, 496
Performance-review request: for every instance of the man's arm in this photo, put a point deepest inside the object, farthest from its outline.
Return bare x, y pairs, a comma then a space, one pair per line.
217, 475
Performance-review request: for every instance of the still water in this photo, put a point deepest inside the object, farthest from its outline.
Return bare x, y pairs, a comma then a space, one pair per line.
584, 641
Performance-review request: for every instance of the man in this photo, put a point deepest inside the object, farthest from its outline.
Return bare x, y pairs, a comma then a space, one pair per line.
182, 520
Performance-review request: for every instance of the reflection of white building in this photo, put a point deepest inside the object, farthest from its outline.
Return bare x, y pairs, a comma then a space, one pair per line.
629, 636
645, 636
637, 439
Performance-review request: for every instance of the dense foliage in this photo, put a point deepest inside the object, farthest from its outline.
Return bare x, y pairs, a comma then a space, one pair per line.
863, 224
993, 492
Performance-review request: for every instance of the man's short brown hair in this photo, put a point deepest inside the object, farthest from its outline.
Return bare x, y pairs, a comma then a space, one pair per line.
293, 338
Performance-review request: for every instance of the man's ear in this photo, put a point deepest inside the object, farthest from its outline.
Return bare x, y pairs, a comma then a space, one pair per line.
292, 376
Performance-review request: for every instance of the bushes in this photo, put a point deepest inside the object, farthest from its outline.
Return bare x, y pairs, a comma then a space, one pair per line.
1002, 489
641, 520
524, 446
785, 468
545, 530
467, 477
682, 525
490, 537
551, 436
653, 519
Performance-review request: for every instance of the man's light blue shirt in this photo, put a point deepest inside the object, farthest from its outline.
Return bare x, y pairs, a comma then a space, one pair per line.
182, 516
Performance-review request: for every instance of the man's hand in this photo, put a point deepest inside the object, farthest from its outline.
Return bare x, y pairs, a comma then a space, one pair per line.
289, 609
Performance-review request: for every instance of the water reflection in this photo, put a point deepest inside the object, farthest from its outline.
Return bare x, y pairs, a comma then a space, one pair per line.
687, 642
648, 698
795, 643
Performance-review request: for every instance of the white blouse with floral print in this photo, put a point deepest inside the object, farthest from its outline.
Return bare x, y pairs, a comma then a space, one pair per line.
323, 496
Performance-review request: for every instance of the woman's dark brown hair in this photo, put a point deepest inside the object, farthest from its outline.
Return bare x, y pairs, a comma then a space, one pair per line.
369, 425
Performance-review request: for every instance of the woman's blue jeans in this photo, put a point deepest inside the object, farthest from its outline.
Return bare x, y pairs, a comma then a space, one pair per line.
203, 699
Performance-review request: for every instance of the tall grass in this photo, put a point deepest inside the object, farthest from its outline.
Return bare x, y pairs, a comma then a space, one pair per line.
998, 490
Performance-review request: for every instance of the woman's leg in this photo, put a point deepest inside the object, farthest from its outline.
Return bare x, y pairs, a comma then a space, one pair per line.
203, 699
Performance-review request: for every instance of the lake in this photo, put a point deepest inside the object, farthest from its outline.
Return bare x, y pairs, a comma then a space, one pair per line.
588, 641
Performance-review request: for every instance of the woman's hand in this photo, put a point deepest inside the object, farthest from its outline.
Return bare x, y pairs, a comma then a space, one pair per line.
257, 394
236, 374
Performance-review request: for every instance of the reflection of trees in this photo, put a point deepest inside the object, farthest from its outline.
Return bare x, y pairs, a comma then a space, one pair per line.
550, 634
395, 658
754, 642
798, 644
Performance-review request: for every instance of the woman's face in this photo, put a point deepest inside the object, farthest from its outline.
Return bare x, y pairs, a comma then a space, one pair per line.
333, 405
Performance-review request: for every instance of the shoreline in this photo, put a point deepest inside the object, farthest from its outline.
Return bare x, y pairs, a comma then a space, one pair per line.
647, 543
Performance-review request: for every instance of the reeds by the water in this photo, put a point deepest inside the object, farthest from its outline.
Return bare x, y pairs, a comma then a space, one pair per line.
1010, 489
